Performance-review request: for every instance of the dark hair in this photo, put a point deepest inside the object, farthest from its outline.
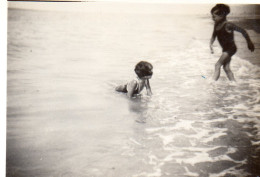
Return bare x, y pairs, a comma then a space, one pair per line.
223, 9
143, 68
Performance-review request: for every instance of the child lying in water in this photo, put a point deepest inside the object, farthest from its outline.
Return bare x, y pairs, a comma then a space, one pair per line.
144, 72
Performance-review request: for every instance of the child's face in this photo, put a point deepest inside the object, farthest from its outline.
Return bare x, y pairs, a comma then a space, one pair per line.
216, 17
147, 76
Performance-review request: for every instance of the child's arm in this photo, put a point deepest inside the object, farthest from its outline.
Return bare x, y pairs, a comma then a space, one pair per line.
131, 88
148, 87
120, 88
233, 27
212, 40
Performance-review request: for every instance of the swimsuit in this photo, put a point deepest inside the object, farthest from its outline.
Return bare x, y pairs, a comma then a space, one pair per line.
226, 40
136, 90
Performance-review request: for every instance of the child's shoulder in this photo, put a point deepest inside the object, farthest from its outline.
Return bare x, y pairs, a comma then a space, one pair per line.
230, 24
133, 81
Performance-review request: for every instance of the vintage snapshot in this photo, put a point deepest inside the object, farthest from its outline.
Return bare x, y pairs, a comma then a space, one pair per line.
133, 89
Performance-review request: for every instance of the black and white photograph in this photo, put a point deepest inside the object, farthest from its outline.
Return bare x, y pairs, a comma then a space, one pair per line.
132, 89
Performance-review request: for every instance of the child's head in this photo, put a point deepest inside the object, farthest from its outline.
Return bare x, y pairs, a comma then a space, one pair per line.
220, 11
143, 69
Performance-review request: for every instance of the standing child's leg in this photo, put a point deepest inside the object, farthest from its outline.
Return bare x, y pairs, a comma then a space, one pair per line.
221, 61
228, 71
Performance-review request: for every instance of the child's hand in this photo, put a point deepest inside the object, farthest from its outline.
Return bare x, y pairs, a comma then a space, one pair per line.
148, 87
149, 92
211, 49
251, 46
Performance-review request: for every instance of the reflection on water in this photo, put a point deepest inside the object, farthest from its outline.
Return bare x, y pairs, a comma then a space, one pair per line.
65, 119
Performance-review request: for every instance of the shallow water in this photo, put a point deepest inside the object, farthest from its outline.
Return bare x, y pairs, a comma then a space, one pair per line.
65, 119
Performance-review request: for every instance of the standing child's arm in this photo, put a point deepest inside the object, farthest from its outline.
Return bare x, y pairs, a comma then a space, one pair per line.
148, 87
233, 27
131, 88
212, 40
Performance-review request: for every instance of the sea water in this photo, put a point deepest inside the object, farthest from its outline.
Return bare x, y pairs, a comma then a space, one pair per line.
65, 119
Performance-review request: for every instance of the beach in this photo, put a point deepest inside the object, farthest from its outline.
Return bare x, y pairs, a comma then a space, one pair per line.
64, 117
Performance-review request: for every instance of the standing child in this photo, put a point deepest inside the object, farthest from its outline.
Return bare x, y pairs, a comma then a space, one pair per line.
144, 72
224, 31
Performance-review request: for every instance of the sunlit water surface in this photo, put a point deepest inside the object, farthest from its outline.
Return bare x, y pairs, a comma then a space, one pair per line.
65, 119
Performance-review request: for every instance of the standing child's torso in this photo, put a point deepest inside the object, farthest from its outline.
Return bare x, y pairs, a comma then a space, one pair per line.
224, 35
